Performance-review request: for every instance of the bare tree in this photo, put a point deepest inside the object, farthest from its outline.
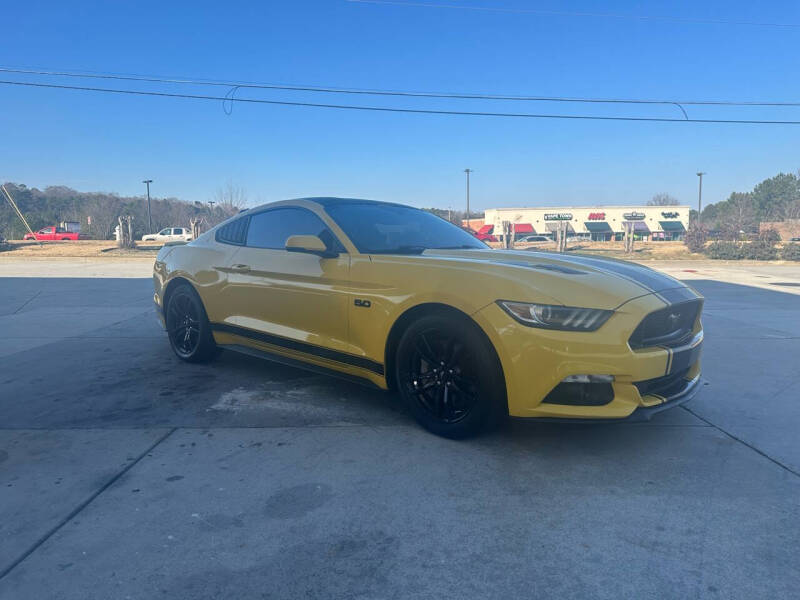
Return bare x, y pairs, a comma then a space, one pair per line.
793, 210
126, 232
104, 211
663, 200
739, 215
230, 198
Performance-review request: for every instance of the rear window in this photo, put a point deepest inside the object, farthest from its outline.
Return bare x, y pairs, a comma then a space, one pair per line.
234, 232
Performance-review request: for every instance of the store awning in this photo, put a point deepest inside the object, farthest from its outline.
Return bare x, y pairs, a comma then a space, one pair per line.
553, 227
639, 227
523, 228
598, 226
486, 229
672, 226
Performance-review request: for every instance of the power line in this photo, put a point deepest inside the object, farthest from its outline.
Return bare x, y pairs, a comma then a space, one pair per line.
558, 13
374, 92
228, 98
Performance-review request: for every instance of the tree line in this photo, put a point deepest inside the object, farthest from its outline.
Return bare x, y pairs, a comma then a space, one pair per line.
98, 212
774, 199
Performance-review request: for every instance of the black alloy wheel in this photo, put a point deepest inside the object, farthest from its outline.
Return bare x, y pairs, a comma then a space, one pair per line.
187, 326
449, 377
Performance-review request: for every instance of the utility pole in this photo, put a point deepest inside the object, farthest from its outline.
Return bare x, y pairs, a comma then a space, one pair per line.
147, 182
468, 171
700, 196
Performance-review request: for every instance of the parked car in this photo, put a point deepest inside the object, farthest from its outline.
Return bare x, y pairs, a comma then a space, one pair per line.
55, 233
535, 238
484, 237
795, 239
169, 234
400, 299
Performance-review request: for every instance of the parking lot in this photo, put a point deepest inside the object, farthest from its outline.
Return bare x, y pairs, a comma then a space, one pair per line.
125, 473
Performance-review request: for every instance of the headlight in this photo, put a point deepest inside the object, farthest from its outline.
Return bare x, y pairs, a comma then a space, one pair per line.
568, 318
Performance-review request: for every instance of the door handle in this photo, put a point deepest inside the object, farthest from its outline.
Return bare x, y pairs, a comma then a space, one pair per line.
240, 268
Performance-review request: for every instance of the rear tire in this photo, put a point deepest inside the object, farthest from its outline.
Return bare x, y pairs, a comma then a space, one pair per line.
188, 328
449, 377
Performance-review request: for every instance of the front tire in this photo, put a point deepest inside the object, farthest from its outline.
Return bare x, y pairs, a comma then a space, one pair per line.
449, 376
188, 328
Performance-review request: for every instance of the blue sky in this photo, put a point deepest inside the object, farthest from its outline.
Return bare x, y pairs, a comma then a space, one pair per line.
190, 148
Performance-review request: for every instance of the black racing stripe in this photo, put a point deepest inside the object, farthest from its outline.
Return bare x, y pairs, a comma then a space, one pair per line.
600, 265
647, 278
319, 351
670, 356
678, 295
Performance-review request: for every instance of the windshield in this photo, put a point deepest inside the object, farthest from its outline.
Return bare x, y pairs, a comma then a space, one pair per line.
378, 228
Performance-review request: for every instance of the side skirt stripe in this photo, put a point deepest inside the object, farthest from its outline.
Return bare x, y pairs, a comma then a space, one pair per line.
298, 346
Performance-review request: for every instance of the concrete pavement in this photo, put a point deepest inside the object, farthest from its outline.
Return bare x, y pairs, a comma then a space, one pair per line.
127, 474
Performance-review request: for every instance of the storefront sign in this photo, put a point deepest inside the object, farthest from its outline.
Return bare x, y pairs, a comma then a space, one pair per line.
669, 215
634, 216
597, 216
558, 216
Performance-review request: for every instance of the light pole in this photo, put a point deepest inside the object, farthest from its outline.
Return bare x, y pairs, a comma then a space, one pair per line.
468, 171
147, 182
700, 196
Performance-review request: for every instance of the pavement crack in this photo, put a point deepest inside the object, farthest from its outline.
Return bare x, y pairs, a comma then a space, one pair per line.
78, 509
28, 301
741, 441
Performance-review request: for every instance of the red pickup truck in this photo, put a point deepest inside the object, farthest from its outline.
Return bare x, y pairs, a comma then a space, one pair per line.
53, 233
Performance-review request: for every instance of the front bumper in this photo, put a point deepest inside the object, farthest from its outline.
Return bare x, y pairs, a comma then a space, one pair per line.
535, 361
641, 413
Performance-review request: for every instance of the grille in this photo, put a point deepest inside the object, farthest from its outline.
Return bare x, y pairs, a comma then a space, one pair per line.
668, 385
671, 326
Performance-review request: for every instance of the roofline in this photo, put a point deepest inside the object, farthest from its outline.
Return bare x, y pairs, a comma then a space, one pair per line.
592, 207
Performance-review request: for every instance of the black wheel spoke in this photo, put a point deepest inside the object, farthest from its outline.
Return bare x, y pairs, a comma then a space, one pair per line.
183, 323
425, 351
436, 376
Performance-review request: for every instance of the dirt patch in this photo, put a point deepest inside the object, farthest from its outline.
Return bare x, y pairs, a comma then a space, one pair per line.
76, 249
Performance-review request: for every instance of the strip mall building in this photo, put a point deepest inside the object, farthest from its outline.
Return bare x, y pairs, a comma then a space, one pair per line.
599, 223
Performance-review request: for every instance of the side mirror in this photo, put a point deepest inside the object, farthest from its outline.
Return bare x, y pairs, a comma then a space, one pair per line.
309, 244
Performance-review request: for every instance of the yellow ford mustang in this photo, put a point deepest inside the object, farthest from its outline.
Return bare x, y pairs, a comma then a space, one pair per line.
401, 299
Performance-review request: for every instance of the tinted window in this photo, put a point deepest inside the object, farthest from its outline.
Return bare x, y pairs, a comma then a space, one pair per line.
378, 228
177, 231
234, 232
271, 228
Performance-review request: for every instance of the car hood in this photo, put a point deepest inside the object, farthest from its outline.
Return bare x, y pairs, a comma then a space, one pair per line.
572, 280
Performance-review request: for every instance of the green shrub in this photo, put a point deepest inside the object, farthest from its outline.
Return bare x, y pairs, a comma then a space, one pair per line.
760, 250
696, 238
791, 252
725, 251
742, 250
769, 236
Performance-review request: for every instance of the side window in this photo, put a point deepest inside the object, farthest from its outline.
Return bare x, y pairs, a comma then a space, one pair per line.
234, 232
177, 231
166, 231
271, 228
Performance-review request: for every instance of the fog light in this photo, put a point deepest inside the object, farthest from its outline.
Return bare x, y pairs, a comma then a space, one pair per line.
589, 379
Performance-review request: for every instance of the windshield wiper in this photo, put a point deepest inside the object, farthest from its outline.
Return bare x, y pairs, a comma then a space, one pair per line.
401, 250
461, 247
